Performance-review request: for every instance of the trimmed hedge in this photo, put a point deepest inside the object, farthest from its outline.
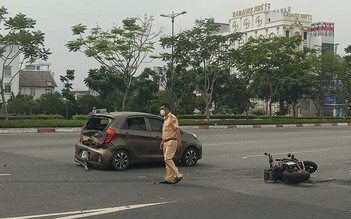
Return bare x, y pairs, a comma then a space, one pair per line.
37, 121
41, 123
80, 117
218, 116
33, 117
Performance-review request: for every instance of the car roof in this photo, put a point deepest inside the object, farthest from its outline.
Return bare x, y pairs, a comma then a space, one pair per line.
123, 114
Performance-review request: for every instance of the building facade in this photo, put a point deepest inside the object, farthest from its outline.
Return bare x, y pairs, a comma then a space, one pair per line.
36, 80
263, 21
9, 70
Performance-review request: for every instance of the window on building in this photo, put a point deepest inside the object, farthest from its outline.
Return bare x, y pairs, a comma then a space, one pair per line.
32, 92
241, 42
48, 90
7, 88
7, 71
287, 33
272, 35
305, 35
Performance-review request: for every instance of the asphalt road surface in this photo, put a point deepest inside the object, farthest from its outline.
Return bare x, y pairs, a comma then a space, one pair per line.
39, 179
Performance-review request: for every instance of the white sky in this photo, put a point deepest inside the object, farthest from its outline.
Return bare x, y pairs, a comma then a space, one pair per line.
56, 17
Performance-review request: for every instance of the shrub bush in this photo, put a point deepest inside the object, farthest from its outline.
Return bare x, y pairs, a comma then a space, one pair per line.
33, 117
80, 117
41, 123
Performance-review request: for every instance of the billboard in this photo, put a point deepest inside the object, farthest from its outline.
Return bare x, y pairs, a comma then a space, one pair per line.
332, 100
322, 29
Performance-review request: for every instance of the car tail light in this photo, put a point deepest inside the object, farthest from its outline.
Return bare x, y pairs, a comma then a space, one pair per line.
110, 133
99, 158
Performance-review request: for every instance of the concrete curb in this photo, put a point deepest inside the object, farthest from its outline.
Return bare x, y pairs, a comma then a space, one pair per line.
200, 127
265, 126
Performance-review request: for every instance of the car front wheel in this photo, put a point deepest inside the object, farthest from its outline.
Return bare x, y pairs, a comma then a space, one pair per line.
190, 157
120, 160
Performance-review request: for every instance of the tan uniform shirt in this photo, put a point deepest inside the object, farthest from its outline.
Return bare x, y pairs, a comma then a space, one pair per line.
170, 126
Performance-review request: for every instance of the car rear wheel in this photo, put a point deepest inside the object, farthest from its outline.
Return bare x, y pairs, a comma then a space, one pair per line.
190, 157
120, 160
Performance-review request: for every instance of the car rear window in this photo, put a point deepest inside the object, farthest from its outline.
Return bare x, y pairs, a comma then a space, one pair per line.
98, 123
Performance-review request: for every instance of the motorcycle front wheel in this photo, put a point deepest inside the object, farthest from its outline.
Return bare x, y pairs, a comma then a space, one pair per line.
296, 177
310, 166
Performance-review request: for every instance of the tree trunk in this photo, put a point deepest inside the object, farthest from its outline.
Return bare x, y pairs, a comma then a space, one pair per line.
126, 93
207, 112
321, 105
207, 107
294, 110
269, 106
270, 111
125, 96
4, 103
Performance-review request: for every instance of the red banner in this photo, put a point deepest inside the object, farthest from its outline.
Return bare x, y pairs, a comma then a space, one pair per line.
322, 29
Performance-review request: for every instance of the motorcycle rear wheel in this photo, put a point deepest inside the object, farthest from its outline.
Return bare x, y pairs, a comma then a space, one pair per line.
310, 166
296, 177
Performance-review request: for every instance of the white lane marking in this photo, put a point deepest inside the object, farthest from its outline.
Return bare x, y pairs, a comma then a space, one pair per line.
69, 197
87, 213
5, 174
294, 152
243, 142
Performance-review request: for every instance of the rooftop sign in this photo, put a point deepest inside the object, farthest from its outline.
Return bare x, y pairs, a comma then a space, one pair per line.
300, 17
259, 8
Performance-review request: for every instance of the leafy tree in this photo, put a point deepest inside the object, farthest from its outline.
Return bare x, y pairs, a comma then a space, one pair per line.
70, 101
269, 63
232, 91
122, 49
291, 92
179, 94
204, 52
21, 104
50, 104
86, 103
342, 69
144, 91
109, 84
162, 97
18, 42
322, 79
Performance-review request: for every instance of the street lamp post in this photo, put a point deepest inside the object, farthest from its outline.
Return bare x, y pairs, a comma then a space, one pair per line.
336, 83
172, 16
336, 48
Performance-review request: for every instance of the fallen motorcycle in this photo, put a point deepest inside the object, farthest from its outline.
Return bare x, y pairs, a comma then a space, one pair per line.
289, 169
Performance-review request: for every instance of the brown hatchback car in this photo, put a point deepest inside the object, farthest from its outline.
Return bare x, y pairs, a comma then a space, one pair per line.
118, 139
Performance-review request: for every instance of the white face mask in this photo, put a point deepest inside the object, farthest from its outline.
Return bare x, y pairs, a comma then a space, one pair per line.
162, 112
